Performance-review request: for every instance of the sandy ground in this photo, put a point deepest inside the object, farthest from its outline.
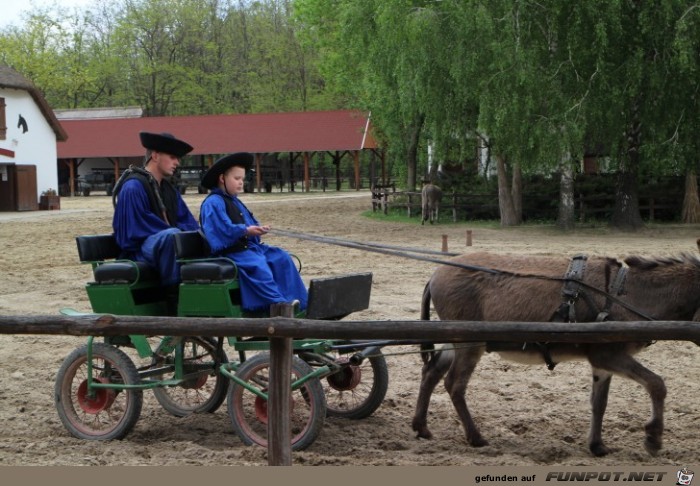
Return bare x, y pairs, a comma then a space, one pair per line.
530, 415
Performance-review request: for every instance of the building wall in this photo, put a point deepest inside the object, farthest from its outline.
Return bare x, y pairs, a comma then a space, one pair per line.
35, 147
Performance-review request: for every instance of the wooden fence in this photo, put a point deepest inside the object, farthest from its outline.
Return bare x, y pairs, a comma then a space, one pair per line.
281, 330
485, 206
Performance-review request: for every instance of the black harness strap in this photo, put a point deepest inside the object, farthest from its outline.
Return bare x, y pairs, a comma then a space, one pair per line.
572, 290
616, 289
162, 198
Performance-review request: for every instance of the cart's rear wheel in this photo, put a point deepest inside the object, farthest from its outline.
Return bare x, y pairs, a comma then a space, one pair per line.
107, 413
356, 391
206, 390
248, 412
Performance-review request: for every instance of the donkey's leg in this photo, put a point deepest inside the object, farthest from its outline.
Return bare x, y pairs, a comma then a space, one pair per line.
599, 402
432, 373
456, 383
619, 362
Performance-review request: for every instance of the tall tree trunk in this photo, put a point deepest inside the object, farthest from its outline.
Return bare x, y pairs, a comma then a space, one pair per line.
567, 206
505, 200
516, 193
412, 151
626, 215
691, 202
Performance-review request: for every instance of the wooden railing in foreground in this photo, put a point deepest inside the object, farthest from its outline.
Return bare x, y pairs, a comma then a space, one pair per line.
281, 330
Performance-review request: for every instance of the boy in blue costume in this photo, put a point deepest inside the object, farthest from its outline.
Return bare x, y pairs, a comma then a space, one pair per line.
149, 209
267, 273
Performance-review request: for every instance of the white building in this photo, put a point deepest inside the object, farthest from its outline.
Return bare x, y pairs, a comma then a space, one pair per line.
29, 131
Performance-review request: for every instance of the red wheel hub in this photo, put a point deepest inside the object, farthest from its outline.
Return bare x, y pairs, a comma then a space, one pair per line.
196, 383
346, 379
261, 409
102, 399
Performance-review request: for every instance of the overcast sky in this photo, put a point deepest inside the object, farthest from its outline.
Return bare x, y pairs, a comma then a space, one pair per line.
11, 10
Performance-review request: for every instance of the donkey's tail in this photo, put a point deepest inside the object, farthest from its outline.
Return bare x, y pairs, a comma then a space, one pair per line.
427, 349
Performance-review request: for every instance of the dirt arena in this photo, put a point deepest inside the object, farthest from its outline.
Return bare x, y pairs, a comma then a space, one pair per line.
530, 415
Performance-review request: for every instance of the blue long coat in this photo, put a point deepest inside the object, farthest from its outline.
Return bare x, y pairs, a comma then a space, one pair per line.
267, 273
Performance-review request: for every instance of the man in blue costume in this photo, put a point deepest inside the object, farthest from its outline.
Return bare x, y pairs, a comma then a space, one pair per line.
149, 209
267, 273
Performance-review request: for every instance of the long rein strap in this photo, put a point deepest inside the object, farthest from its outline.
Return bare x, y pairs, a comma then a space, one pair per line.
411, 253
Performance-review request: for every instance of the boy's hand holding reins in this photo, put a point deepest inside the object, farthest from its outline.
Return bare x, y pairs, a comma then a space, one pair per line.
256, 230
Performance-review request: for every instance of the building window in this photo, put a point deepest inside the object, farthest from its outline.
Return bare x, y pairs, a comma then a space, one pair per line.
3, 121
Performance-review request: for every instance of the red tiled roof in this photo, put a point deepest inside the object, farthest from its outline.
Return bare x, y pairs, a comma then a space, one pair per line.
220, 134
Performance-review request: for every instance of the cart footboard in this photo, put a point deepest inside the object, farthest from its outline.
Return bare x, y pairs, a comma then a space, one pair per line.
337, 297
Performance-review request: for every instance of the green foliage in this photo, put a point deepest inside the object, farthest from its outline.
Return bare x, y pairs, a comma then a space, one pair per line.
171, 57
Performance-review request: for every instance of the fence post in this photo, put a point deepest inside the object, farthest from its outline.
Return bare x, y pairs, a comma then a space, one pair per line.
469, 237
408, 206
279, 434
385, 201
444, 243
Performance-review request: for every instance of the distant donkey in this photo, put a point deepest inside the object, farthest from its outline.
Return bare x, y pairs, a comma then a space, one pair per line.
430, 202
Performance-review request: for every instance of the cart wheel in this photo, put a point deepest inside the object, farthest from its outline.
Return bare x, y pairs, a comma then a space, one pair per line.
355, 392
109, 414
204, 392
248, 412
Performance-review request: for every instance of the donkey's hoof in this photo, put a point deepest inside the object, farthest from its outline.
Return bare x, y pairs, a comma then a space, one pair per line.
477, 441
422, 431
599, 449
652, 445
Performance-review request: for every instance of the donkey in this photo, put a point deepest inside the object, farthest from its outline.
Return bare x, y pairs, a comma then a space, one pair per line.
431, 196
488, 287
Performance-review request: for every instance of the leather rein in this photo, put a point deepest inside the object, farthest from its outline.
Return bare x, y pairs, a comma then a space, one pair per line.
574, 286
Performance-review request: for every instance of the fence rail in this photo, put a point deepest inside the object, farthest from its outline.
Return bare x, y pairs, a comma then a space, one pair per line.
485, 206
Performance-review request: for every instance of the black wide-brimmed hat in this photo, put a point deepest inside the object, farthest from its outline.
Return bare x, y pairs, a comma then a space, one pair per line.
166, 143
241, 159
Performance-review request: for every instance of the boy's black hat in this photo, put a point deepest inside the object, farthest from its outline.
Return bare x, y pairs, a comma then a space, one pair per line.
166, 143
241, 159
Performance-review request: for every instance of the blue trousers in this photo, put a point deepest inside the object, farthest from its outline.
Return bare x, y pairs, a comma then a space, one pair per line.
158, 250
267, 276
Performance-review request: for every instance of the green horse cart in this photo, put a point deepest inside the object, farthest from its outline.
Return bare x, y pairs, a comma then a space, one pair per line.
99, 386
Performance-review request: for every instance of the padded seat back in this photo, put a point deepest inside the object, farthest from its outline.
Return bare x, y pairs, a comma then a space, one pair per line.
93, 248
191, 244
100, 250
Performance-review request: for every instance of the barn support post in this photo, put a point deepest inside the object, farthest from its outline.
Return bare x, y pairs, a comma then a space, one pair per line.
116, 169
356, 159
279, 434
307, 188
336, 161
258, 172
71, 179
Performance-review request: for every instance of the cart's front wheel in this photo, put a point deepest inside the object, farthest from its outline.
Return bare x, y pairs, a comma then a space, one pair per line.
103, 413
248, 411
356, 391
206, 388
